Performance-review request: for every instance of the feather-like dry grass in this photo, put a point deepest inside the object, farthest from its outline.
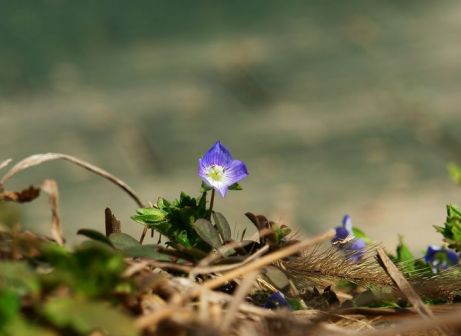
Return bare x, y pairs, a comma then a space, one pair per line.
323, 265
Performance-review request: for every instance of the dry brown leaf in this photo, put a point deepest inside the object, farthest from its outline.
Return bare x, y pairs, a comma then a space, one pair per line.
112, 223
23, 196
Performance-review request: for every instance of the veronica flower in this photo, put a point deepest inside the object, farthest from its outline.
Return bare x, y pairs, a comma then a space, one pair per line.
219, 170
440, 258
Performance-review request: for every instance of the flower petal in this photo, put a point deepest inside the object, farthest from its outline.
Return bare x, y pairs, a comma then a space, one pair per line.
347, 224
235, 172
452, 257
217, 155
341, 234
201, 169
431, 251
357, 250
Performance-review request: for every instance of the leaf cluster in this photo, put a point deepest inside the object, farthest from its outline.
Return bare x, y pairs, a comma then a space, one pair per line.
451, 230
62, 292
175, 219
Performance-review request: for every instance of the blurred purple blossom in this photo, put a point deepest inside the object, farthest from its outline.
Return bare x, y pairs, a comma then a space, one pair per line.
354, 248
345, 230
440, 258
276, 300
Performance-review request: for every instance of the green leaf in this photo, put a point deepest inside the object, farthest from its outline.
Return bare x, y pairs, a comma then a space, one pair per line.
122, 241
18, 277
183, 239
163, 204
150, 215
146, 251
95, 235
235, 186
207, 232
456, 230
222, 225
94, 269
451, 230
21, 327
295, 303
405, 258
84, 317
186, 200
281, 232
359, 234
9, 306
455, 172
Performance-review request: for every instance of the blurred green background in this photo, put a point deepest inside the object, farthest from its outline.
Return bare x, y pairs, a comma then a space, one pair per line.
336, 106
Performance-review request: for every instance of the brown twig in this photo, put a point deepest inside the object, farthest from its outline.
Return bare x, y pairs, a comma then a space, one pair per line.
239, 296
407, 290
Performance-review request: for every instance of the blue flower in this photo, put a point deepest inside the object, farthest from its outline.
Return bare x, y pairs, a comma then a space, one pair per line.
440, 258
219, 170
277, 300
354, 248
345, 230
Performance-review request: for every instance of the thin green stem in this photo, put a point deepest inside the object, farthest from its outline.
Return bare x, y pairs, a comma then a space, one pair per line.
212, 201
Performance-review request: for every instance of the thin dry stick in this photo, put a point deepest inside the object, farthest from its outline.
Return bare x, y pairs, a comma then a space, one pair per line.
5, 163
143, 234
221, 268
167, 265
404, 286
239, 296
51, 188
155, 317
37, 159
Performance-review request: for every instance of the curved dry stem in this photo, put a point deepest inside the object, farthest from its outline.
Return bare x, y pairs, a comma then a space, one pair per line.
37, 159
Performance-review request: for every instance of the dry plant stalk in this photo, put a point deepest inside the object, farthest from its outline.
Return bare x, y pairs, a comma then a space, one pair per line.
38, 159
51, 188
239, 296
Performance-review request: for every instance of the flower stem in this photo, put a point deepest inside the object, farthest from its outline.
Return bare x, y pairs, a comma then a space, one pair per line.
212, 201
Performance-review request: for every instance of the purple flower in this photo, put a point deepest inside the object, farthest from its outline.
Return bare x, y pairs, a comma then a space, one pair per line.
219, 170
440, 258
277, 300
355, 250
344, 231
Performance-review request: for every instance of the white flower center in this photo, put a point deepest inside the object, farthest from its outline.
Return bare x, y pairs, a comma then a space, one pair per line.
215, 173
